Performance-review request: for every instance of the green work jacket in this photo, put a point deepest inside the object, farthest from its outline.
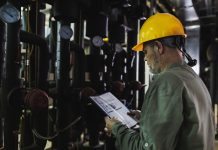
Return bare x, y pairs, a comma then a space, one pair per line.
176, 115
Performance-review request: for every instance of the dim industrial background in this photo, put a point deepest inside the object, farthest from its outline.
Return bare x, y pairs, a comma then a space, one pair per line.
59, 52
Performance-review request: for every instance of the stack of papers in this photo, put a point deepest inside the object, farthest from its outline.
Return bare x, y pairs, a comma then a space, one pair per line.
114, 108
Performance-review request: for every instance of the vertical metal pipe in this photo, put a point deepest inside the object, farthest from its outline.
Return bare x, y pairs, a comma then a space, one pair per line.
136, 63
10, 80
216, 62
2, 28
1, 62
213, 81
79, 27
212, 55
62, 85
2, 121
52, 46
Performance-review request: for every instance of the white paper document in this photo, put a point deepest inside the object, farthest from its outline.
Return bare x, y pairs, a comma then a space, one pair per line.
114, 108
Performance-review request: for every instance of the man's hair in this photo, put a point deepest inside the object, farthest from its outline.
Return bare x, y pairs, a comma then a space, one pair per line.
173, 42
170, 41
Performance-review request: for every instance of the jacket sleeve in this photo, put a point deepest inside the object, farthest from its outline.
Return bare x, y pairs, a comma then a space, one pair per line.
160, 120
127, 139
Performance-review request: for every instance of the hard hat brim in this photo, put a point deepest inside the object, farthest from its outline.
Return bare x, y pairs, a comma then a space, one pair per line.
138, 47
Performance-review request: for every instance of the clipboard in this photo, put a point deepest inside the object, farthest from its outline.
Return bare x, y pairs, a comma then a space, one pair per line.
114, 108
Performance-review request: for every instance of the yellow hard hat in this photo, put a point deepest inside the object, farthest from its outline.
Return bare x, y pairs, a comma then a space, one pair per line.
158, 26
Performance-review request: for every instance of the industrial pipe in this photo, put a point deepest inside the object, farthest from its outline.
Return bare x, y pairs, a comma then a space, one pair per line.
43, 57
10, 68
1, 61
62, 85
39, 118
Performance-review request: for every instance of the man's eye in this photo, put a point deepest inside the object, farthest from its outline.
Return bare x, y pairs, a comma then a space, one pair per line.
145, 52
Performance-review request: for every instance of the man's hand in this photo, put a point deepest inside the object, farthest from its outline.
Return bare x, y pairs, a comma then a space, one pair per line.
135, 114
109, 124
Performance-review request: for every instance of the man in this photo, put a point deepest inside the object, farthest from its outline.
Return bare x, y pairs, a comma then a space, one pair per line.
176, 113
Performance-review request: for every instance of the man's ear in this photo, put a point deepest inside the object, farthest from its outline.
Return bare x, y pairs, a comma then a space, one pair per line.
159, 47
